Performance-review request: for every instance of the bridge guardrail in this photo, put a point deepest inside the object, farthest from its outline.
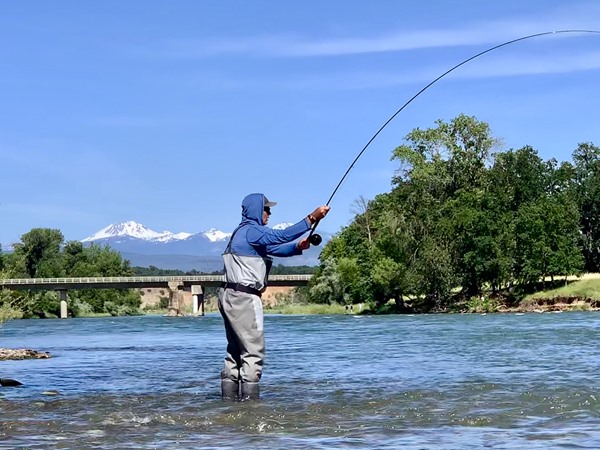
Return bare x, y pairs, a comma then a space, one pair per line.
93, 282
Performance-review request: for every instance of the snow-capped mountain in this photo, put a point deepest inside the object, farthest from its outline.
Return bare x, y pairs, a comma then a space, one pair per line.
135, 230
215, 235
282, 226
202, 251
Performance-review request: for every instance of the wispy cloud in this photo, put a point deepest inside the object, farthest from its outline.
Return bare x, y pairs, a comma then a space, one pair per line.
290, 45
507, 65
535, 64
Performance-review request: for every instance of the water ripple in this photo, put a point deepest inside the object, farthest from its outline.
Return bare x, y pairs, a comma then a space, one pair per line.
411, 382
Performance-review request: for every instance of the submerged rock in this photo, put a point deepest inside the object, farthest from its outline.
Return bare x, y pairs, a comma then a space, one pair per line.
51, 393
22, 353
7, 382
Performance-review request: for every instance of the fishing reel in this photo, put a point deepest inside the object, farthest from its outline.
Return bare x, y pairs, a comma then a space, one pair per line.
315, 239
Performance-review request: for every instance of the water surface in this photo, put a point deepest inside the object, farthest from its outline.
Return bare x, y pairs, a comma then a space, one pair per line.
371, 382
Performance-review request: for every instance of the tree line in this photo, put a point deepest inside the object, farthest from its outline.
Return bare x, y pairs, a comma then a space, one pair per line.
465, 221
43, 253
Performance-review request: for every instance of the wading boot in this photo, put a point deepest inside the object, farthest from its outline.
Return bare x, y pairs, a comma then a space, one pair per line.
250, 391
229, 389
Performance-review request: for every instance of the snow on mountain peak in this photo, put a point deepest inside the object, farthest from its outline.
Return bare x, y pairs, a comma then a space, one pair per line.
167, 236
129, 228
214, 235
139, 231
282, 226
135, 230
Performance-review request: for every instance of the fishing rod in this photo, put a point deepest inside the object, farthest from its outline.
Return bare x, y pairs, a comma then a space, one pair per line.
316, 239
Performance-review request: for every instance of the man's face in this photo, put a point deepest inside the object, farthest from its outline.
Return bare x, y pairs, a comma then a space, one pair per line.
266, 214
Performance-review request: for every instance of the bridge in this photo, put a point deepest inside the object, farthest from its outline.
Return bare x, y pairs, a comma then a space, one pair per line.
174, 284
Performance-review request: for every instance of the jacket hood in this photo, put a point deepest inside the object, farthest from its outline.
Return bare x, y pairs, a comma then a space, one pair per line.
253, 206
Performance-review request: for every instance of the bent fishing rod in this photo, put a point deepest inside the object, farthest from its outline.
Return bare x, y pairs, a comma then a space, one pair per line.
316, 239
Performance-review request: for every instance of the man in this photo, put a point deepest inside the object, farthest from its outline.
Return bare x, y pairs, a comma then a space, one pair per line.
247, 261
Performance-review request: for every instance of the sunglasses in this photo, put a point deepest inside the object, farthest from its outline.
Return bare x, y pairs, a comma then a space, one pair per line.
268, 210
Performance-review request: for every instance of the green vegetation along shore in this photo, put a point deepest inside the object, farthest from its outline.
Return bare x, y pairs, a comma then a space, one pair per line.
463, 212
466, 227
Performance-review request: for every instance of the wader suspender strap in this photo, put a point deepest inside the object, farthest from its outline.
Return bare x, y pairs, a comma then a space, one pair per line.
237, 286
228, 248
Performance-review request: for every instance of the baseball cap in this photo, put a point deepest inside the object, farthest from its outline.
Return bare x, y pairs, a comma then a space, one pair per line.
268, 202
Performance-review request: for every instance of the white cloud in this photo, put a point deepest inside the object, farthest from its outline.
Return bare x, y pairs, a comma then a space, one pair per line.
534, 64
583, 16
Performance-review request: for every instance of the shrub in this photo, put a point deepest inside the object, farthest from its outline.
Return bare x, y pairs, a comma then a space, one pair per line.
483, 304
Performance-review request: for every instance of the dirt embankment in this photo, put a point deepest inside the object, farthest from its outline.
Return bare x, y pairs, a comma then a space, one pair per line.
559, 303
152, 297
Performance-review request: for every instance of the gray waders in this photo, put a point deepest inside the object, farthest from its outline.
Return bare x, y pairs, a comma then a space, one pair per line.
243, 318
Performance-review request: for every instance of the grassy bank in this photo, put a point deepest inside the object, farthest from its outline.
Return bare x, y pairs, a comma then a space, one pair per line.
577, 293
307, 308
583, 294
283, 308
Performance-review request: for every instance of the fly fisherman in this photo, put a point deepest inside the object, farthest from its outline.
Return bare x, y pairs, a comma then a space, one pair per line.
247, 264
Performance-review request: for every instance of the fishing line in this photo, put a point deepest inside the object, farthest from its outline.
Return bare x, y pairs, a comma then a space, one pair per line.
316, 239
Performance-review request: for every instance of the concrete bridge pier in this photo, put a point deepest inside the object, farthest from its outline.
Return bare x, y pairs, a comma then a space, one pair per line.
175, 299
197, 299
62, 295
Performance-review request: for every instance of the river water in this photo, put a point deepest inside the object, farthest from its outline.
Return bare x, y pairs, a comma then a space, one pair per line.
506, 381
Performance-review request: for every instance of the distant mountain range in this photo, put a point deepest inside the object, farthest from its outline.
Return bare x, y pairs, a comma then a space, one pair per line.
184, 251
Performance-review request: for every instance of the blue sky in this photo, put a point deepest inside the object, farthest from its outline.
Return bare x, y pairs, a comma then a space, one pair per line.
169, 113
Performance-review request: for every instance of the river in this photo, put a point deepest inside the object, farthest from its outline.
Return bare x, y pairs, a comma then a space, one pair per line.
506, 381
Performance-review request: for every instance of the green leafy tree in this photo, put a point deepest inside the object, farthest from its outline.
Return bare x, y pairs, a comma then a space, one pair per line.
546, 240
587, 169
479, 241
326, 286
39, 251
388, 281
458, 216
100, 261
518, 177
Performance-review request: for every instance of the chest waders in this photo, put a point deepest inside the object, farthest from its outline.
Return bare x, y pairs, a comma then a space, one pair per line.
240, 306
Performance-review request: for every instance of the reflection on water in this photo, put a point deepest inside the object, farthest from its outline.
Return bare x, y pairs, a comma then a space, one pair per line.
414, 382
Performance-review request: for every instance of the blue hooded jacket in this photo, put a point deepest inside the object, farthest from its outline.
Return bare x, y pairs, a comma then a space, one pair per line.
253, 238
247, 256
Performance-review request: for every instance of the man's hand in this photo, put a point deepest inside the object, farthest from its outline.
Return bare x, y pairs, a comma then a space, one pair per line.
318, 213
304, 244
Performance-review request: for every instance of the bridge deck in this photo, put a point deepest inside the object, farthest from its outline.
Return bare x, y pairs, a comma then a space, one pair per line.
136, 282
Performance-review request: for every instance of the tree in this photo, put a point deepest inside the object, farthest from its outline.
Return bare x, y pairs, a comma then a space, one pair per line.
388, 280
100, 261
546, 240
459, 216
518, 177
480, 244
440, 168
325, 286
39, 251
363, 217
587, 170
462, 147
39, 254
